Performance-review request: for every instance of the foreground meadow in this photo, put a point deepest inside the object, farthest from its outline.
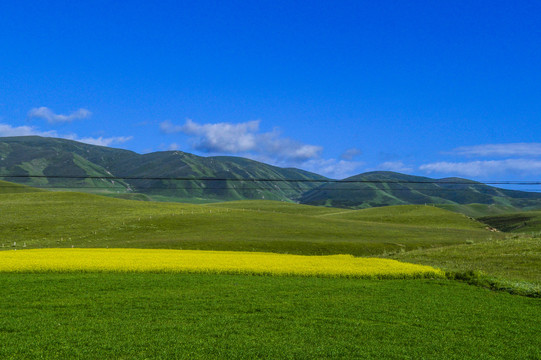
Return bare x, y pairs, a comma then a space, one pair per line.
237, 311
204, 316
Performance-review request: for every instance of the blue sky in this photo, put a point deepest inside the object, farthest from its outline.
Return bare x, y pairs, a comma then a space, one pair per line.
433, 88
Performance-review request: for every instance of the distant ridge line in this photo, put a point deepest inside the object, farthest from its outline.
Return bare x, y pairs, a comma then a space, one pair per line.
454, 182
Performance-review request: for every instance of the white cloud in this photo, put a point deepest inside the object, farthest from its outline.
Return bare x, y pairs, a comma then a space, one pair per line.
8, 130
350, 154
223, 137
47, 114
285, 148
485, 168
173, 146
397, 166
243, 139
169, 128
513, 149
246, 139
101, 141
336, 169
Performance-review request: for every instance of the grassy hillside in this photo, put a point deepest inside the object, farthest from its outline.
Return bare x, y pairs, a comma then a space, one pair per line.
166, 175
517, 259
479, 210
521, 222
191, 316
413, 215
63, 219
183, 177
383, 188
11, 188
277, 207
54, 161
218, 178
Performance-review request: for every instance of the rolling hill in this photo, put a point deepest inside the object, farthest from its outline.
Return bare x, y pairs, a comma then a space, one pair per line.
66, 164
179, 176
519, 222
7, 187
71, 219
383, 188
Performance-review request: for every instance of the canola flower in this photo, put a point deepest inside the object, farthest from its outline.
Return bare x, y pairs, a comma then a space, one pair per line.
199, 261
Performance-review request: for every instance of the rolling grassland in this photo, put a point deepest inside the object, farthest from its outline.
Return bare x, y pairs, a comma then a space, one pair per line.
512, 264
526, 222
238, 311
65, 219
515, 258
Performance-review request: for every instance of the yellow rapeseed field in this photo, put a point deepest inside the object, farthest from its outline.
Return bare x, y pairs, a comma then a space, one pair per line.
230, 262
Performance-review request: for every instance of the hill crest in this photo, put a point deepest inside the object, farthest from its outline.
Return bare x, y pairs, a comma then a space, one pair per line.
181, 176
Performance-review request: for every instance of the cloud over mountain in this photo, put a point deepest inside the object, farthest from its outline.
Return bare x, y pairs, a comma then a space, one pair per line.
246, 139
7, 130
101, 141
47, 114
337, 169
397, 166
513, 149
224, 137
521, 159
242, 138
485, 168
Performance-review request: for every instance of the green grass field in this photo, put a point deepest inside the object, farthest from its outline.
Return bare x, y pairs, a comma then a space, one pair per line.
513, 258
512, 264
189, 316
165, 316
526, 222
478, 210
65, 219
7, 187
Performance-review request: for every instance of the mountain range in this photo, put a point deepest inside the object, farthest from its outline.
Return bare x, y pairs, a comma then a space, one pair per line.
179, 176
164, 175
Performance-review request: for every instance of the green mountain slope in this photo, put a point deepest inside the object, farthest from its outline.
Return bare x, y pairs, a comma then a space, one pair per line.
219, 178
179, 176
383, 188
59, 163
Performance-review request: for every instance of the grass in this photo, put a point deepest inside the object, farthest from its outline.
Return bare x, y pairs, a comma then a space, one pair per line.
64, 219
196, 316
12, 188
199, 316
412, 215
278, 207
479, 210
512, 264
420, 234
520, 222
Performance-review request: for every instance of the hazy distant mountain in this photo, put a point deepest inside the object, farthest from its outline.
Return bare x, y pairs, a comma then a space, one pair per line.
382, 188
61, 163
